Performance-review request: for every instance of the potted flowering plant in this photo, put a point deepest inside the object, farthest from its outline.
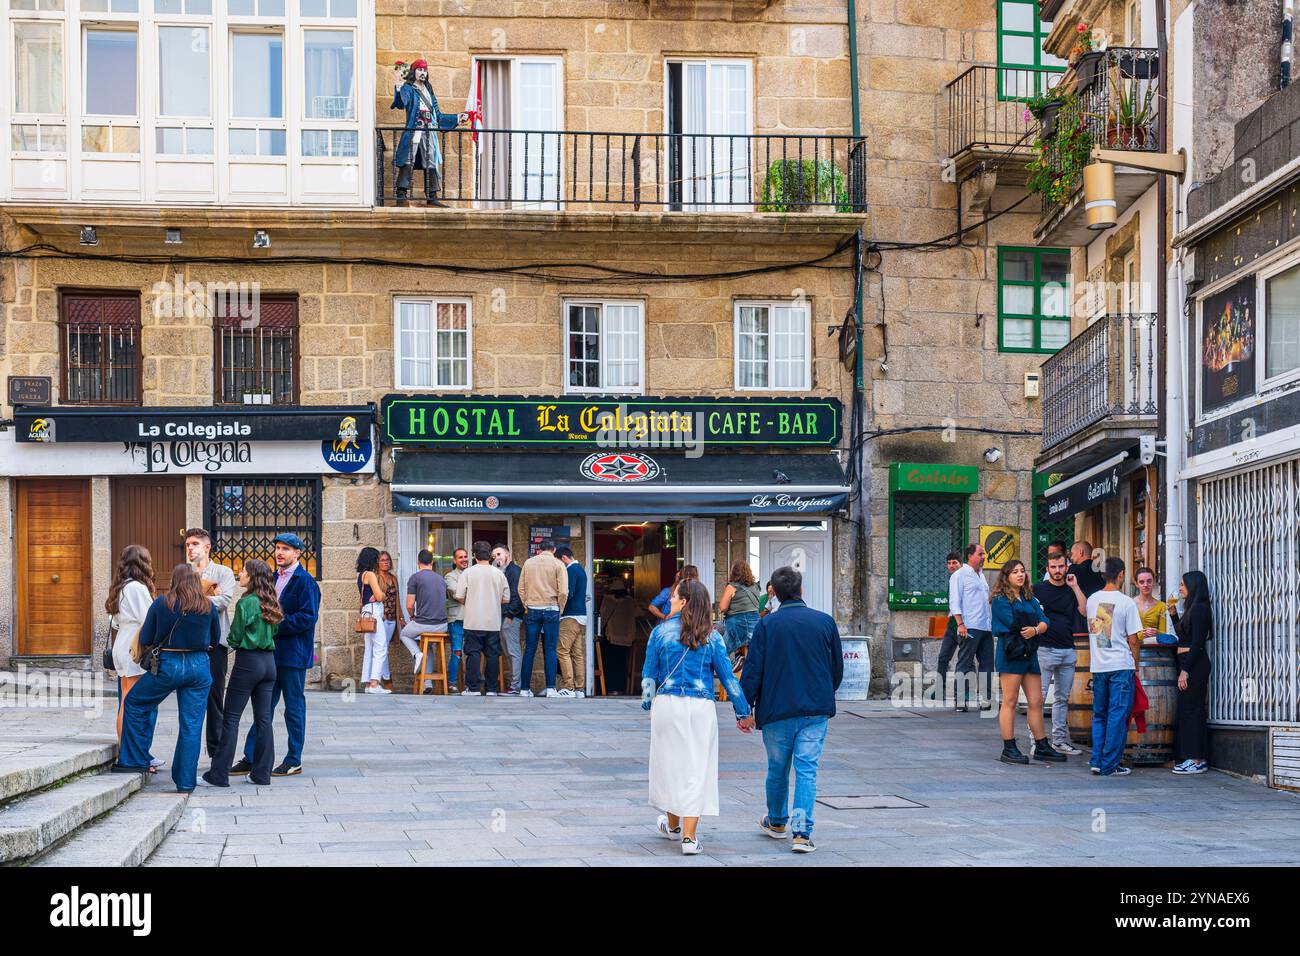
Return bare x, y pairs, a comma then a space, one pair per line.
1085, 56
1044, 108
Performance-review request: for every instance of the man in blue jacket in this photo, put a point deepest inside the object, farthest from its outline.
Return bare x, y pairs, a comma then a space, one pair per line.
299, 596
793, 668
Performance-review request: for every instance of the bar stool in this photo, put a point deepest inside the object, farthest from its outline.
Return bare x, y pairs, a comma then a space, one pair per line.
428, 641
598, 674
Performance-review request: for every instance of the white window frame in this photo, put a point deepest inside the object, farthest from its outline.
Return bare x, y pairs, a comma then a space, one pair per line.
771, 304
751, 116
1263, 309
602, 389
433, 302
111, 23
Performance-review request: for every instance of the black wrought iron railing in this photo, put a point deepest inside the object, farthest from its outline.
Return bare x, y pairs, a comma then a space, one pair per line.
1108, 370
986, 107
676, 172
1120, 95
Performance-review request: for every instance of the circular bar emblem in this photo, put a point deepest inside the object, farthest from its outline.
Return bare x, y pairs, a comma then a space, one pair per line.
619, 466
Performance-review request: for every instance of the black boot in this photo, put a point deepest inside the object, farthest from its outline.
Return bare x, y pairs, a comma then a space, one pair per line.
1011, 753
432, 185
1043, 751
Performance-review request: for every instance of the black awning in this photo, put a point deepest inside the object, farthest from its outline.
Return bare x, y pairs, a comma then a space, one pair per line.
616, 482
82, 423
1091, 487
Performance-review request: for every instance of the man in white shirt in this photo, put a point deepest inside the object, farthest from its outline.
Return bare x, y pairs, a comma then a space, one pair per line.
219, 586
1114, 627
482, 589
968, 605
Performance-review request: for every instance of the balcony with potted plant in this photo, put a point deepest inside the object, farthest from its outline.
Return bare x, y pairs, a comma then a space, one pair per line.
1110, 99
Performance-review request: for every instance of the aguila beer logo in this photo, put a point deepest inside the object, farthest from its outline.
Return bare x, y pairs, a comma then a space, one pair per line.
348, 452
620, 466
347, 434
42, 429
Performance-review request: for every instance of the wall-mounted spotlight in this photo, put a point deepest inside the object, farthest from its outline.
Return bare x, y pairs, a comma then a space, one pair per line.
993, 455
172, 238
88, 236
261, 239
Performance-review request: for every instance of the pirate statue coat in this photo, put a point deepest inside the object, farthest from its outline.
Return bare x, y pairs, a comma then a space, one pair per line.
418, 147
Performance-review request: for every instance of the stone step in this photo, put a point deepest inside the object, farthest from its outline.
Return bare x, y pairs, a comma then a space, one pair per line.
123, 837
32, 824
27, 767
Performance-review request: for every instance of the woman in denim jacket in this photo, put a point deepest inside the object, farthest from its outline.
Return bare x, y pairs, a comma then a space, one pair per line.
682, 659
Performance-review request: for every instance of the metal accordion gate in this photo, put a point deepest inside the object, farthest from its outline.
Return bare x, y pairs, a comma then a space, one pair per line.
1250, 552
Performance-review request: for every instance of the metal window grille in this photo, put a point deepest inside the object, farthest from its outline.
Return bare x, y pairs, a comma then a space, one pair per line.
256, 350
245, 514
1046, 531
925, 529
101, 349
1250, 551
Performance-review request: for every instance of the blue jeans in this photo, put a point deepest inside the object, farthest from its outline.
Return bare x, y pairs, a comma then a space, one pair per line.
1112, 699
456, 630
740, 628
292, 683
153, 722
547, 624
797, 741
190, 676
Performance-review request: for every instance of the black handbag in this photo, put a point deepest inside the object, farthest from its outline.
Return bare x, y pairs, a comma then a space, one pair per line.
1015, 647
153, 657
108, 663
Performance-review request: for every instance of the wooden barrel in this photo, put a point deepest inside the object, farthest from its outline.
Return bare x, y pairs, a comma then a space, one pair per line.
1081, 694
1158, 672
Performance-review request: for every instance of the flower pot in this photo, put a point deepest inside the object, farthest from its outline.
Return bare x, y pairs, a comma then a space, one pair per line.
1126, 137
1087, 69
1047, 118
1138, 68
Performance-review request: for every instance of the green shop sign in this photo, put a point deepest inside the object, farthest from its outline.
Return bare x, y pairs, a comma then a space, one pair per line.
954, 479
1043, 480
638, 422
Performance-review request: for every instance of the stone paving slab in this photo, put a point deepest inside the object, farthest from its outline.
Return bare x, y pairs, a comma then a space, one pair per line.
406, 781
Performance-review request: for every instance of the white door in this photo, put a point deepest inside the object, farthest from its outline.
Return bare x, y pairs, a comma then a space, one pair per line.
807, 551
701, 548
716, 123
537, 148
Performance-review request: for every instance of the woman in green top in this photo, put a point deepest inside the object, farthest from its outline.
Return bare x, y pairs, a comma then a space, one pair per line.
739, 606
252, 635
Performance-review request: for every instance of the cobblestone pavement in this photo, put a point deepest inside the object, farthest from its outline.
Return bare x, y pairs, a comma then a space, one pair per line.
405, 780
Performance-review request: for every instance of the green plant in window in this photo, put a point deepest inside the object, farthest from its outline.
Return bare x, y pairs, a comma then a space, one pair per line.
793, 185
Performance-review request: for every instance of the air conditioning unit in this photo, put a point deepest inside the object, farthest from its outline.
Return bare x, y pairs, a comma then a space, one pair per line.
1284, 758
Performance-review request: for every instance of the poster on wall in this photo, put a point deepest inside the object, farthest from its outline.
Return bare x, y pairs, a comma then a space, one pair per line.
538, 533
1228, 346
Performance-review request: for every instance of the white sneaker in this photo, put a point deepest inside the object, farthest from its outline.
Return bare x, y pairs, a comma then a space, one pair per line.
552, 692
690, 847
490, 693
525, 693
1069, 749
580, 694
157, 762
378, 689
470, 693
419, 659
564, 693
664, 830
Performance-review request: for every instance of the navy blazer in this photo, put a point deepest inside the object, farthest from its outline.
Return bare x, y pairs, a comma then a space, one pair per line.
794, 664
296, 637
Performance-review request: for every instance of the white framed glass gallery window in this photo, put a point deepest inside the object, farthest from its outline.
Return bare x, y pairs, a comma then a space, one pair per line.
432, 343
773, 346
604, 346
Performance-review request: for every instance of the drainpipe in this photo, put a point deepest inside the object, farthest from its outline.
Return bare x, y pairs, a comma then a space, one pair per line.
1163, 418
1288, 25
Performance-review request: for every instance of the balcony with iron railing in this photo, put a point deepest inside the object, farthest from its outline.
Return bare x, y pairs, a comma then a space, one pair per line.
609, 171
987, 116
1111, 99
1099, 390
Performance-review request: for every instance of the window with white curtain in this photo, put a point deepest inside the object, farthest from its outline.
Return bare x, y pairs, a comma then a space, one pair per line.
432, 340
38, 67
603, 343
1282, 323
773, 347
328, 57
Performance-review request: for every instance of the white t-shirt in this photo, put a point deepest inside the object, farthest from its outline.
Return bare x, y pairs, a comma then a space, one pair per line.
1112, 617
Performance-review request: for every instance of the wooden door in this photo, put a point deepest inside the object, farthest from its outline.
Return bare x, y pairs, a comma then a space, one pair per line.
53, 566
151, 512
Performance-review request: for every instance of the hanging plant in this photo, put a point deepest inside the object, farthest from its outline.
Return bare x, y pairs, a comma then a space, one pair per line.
1055, 170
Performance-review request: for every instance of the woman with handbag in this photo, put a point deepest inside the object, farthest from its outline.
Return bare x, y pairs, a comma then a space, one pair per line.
370, 623
129, 597
174, 640
392, 621
1018, 622
682, 659
252, 635
1194, 627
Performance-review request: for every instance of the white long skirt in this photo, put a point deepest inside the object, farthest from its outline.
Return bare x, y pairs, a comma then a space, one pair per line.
684, 756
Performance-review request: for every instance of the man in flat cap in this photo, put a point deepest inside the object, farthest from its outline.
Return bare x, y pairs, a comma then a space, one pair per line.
299, 596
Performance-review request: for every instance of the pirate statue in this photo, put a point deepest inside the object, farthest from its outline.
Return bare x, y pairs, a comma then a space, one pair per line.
418, 148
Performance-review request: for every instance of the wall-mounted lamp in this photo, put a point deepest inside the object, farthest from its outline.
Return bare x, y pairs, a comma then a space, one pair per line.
1099, 179
993, 455
261, 239
88, 236
172, 237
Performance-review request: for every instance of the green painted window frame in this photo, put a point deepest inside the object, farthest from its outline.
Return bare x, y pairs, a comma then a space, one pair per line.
1038, 35
1045, 530
1037, 283
923, 601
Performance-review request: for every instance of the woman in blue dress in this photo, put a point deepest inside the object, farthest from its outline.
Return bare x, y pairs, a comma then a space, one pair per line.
1018, 622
